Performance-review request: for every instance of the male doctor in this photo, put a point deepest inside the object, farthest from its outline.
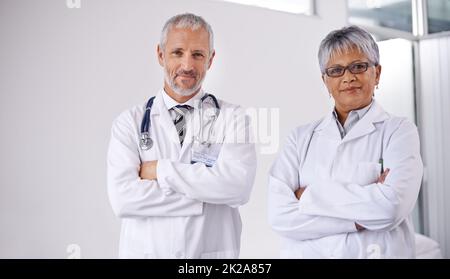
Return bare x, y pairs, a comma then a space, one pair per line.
178, 196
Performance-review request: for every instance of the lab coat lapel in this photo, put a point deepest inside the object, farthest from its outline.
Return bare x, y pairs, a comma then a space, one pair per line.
328, 128
192, 127
365, 125
187, 143
160, 116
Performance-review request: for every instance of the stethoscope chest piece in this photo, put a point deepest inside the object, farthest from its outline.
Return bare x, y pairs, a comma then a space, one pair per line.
146, 142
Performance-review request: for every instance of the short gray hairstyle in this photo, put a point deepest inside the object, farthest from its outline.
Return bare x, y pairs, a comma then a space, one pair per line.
340, 41
186, 20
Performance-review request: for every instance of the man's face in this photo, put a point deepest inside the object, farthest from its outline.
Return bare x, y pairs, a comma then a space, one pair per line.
185, 58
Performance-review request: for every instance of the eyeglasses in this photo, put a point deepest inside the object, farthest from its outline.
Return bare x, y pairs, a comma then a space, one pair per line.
354, 68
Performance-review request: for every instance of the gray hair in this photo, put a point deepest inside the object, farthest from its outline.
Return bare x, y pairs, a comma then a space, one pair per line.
186, 20
340, 41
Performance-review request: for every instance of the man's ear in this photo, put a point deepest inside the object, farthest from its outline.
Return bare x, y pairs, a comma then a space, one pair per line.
211, 59
160, 55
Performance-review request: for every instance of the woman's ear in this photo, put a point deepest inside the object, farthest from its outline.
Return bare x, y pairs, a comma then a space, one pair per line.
377, 74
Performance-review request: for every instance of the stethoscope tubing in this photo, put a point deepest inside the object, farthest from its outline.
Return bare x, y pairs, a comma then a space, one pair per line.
145, 138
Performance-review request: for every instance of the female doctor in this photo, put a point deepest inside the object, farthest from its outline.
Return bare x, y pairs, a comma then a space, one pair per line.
179, 166
345, 186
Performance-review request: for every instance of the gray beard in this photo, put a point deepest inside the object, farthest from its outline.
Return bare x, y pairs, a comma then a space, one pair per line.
181, 91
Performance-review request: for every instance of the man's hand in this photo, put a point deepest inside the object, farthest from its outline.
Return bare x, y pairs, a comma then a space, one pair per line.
383, 176
299, 192
148, 170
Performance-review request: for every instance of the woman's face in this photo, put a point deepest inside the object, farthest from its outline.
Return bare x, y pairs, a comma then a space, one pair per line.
351, 91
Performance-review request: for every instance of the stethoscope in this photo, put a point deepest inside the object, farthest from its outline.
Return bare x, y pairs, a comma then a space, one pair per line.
146, 141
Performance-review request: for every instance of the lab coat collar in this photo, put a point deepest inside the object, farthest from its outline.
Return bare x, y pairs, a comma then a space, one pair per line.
363, 127
164, 102
160, 113
193, 102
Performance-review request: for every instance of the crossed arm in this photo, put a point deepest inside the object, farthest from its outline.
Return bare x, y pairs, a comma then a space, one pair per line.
345, 208
168, 188
298, 193
131, 196
227, 182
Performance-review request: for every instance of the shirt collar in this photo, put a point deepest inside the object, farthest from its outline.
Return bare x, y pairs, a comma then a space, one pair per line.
358, 113
170, 103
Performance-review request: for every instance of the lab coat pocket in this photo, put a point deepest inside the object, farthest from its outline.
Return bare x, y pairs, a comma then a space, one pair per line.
366, 173
205, 153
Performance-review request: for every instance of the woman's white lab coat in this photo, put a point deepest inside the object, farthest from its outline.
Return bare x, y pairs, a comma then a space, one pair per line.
341, 178
190, 211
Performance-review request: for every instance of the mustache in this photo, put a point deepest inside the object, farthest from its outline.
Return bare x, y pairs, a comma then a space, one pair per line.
191, 73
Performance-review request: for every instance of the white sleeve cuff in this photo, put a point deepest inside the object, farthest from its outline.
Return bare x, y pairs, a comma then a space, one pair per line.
163, 177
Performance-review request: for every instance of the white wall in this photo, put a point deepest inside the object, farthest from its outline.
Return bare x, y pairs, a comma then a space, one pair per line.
434, 127
396, 89
66, 73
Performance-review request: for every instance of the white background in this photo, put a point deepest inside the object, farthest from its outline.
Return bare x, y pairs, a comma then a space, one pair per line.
65, 74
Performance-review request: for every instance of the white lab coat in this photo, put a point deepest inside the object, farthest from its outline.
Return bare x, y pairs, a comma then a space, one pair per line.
340, 175
190, 211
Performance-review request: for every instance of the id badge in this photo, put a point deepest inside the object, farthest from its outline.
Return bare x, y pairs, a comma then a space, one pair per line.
205, 153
